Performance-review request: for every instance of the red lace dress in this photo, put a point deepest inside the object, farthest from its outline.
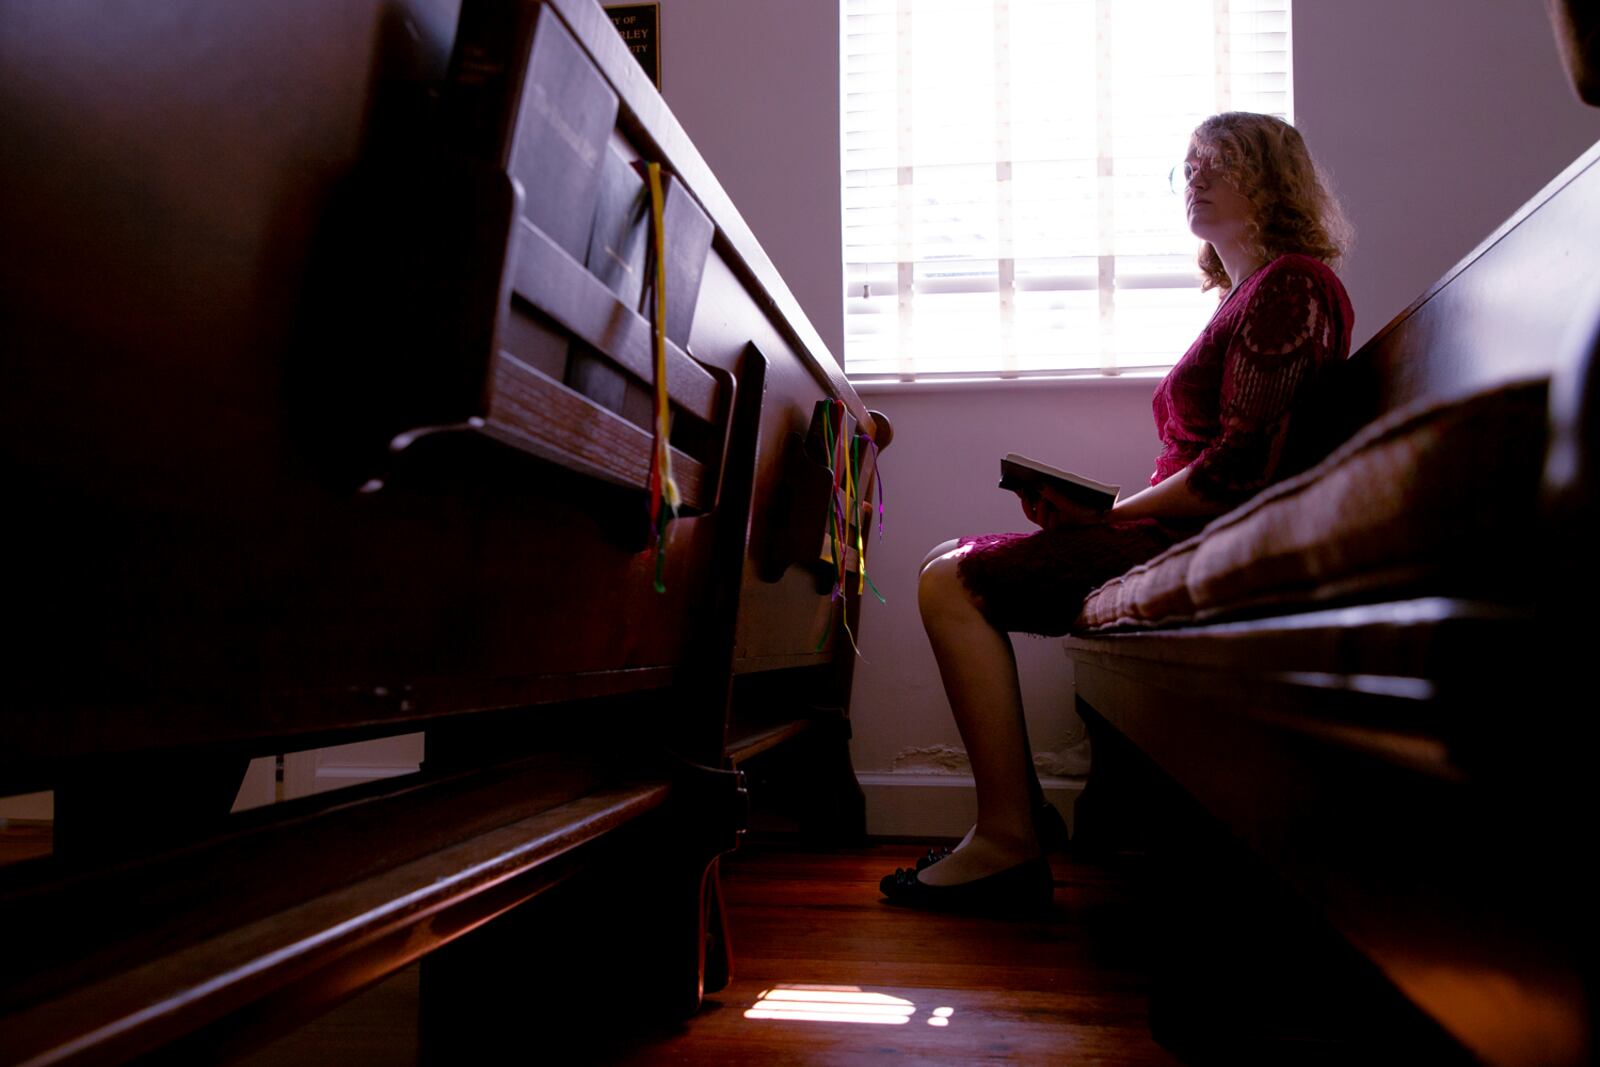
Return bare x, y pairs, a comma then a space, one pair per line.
1224, 410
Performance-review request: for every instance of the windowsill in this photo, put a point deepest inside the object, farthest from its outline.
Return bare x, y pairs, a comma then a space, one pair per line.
1141, 378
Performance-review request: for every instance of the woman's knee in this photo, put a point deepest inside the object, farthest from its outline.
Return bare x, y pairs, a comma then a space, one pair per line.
944, 549
940, 589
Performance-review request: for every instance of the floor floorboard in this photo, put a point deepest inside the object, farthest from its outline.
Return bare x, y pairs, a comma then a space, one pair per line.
812, 937
829, 974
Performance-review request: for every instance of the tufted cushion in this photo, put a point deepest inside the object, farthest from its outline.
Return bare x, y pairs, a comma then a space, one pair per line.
1417, 497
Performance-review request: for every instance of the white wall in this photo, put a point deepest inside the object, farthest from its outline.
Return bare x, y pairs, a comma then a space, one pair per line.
940, 479
756, 85
1437, 118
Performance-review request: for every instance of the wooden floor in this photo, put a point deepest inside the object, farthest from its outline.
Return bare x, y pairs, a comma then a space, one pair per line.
826, 973
810, 930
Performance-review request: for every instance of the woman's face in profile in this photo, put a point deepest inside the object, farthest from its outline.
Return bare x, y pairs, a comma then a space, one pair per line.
1216, 210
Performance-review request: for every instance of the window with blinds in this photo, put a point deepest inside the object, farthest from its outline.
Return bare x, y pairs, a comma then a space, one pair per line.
1006, 205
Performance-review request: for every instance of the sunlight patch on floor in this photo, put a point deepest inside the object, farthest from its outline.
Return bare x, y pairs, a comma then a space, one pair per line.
839, 1004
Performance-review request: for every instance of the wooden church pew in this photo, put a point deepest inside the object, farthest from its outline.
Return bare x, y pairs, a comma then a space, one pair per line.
1403, 763
332, 424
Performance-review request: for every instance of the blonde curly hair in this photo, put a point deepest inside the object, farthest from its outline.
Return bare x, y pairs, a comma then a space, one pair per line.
1266, 160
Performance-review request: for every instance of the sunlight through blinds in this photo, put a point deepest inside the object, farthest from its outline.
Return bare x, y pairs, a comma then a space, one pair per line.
1006, 207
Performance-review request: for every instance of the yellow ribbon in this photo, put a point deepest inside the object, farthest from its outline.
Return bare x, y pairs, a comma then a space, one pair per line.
663, 487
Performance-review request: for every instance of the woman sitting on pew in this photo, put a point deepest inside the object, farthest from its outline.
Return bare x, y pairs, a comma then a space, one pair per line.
1270, 228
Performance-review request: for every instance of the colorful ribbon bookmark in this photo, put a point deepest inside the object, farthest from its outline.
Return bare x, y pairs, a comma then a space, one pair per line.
845, 456
663, 489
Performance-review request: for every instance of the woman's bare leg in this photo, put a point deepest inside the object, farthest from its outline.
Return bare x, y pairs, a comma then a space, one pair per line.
979, 672
947, 546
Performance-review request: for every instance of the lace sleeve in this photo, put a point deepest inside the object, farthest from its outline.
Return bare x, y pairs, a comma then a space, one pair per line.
1287, 334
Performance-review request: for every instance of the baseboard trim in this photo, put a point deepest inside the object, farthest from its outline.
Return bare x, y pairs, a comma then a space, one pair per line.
940, 805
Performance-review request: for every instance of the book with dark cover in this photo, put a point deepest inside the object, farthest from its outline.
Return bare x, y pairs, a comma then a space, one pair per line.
620, 256
618, 242
563, 126
523, 96
688, 232
1020, 474
616, 256
620, 237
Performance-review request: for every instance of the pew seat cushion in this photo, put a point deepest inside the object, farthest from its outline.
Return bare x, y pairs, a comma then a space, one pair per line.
1421, 499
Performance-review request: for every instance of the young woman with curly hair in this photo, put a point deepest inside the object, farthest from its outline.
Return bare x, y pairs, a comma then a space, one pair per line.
1270, 230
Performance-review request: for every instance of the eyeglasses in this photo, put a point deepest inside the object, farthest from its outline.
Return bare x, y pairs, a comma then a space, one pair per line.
1180, 177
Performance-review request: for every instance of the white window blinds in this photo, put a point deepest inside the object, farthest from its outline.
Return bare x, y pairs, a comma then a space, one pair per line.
1006, 206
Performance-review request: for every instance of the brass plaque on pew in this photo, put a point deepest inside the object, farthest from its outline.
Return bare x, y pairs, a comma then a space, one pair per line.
640, 27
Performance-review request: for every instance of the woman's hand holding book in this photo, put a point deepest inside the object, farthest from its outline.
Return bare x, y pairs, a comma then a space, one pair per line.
1048, 508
